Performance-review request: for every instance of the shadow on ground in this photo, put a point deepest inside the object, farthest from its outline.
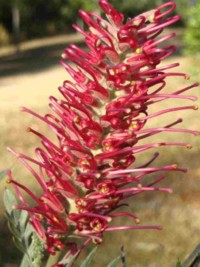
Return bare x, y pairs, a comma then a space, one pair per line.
32, 60
46, 56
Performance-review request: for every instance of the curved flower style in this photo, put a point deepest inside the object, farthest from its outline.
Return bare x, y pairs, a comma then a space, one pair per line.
89, 173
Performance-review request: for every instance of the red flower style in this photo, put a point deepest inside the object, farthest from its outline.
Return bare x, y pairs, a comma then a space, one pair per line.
99, 124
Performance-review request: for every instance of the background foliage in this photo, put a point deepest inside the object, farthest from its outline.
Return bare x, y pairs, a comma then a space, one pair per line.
192, 32
56, 16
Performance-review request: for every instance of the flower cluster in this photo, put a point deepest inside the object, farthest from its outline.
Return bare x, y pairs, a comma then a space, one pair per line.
91, 170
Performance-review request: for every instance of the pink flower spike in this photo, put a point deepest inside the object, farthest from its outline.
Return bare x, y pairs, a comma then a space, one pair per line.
90, 168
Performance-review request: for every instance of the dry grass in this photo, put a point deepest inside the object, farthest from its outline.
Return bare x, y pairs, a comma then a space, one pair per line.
179, 214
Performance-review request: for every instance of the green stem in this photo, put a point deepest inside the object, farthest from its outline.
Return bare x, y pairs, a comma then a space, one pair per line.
53, 259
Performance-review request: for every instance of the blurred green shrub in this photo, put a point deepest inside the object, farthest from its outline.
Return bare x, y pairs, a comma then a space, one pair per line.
192, 31
40, 18
4, 36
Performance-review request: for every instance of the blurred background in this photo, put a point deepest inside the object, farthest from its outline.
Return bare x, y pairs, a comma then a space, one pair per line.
33, 35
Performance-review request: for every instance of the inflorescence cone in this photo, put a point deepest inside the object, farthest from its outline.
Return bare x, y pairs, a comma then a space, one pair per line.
91, 170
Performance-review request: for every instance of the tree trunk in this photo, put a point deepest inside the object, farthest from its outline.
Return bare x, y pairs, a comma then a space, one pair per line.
16, 24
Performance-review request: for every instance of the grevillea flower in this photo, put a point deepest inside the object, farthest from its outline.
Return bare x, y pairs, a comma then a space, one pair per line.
89, 173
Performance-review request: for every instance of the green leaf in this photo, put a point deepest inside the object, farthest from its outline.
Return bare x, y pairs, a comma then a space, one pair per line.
25, 261
23, 234
15, 216
114, 262
23, 219
19, 245
13, 229
179, 264
9, 201
27, 234
89, 258
69, 262
3, 173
